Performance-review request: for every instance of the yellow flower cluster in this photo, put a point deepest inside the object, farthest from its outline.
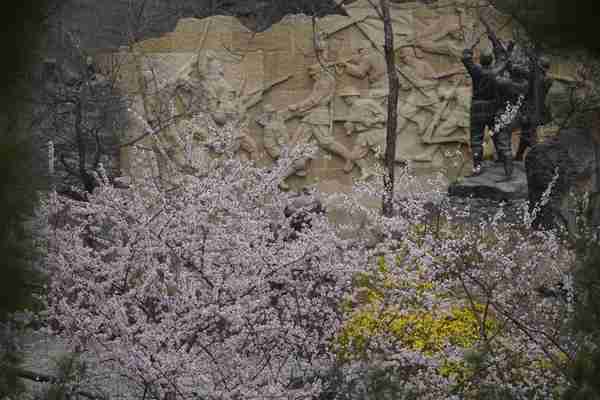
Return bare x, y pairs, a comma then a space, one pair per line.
414, 326
427, 331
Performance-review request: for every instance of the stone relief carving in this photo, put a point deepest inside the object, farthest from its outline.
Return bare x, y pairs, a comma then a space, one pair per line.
276, 134
416, 105
153, 109
444, 36
317, 120
227, 108
366, 117
367, 63
338, 105
450, 121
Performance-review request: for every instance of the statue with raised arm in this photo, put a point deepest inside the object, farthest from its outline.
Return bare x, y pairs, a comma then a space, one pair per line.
484, 100
513, 91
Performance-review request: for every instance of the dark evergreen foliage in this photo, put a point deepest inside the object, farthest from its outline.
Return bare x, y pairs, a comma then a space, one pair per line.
23, 25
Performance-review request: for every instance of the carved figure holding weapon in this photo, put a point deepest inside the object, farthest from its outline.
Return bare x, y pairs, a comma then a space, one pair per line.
317, 120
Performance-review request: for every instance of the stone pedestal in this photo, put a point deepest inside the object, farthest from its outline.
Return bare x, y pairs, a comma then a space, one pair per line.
485, 186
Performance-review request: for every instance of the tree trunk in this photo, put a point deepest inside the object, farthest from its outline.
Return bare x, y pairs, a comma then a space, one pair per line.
392, 118
43, 378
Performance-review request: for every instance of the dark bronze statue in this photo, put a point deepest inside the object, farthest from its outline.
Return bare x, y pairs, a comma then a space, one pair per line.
535, 113
496, 86
509, 90
484, 103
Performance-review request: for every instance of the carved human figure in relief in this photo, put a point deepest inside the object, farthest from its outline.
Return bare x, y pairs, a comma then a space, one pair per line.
420, 79
370, 65
168, 145
224, 104
212, 93
451, 121
366, 117
444, 36
363, 113
276, 135
317, 120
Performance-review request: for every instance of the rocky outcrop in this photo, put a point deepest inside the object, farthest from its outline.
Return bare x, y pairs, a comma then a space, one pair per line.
110, 23
571, 162
558, 23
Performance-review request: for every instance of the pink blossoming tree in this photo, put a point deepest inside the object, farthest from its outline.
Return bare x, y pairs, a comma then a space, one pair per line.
225, 287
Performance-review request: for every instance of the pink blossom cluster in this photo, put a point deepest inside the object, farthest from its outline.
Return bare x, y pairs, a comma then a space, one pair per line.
200, 289
211, 290
496, 269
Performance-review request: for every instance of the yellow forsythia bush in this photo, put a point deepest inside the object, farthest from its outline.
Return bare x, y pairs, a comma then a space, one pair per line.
425, 329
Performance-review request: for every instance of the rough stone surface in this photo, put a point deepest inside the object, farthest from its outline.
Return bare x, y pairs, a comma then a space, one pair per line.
485, 186
557, 23
434, 98
572, 159
109, 23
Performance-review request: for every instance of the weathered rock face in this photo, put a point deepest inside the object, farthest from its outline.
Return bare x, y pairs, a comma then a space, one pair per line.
571, 160
486, 185
109, 24
558, 23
